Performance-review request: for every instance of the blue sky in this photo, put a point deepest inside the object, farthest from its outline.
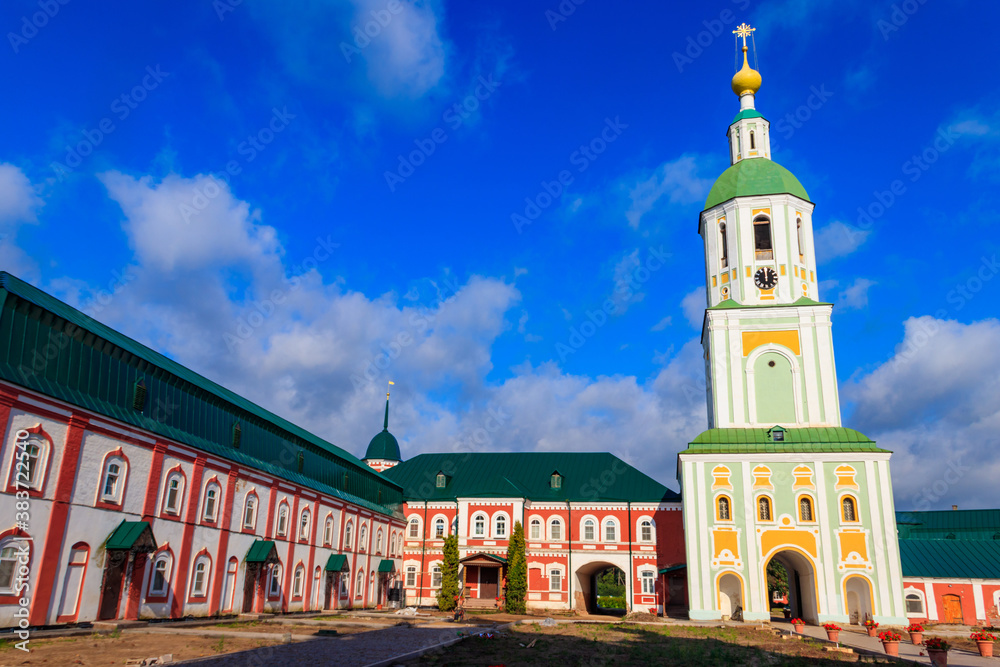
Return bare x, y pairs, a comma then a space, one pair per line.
301, 214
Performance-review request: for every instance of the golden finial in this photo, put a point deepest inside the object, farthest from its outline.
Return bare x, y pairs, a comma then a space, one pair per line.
747, 80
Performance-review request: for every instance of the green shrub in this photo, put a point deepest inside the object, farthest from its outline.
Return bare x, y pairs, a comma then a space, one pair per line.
611, 602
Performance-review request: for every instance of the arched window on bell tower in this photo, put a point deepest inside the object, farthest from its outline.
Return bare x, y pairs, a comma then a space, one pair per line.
753, 142
798, 232
762, 237
724, 246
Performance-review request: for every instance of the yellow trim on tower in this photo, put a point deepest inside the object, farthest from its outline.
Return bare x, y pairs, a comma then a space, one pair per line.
782, 269
725, 278
748, 272
713, 280
754, 339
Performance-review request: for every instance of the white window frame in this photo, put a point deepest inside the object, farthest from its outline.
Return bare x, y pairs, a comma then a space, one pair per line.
440, 528
174, 509
200, 590
378, 542
304, 517
274, 582
647, 577
281, 520
495, 523
583, 529
392, 543
437, 573
363, 537
553, 522
12, 544
610, 523
411, 576
250, 497
298, 578
167, 562
359, 585
214, 514
534, 523
555, 580
652, 529
349, 536
413, 522
480, 534
115, 496
41, 461
923, 602
328, 530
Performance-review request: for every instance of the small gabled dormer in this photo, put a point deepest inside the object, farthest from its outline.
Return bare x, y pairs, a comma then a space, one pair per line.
555, 480
777, 434
441, 480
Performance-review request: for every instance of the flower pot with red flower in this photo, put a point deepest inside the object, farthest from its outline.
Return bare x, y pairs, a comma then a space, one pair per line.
798, 624
890, 641
832, 631
937, 649
916, 633
984, 641
872, 627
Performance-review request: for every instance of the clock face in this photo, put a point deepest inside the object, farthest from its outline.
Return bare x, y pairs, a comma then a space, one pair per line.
765, 278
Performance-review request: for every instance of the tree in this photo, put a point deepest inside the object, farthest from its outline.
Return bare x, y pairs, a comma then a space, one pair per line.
517, 572
449, 575
777, 579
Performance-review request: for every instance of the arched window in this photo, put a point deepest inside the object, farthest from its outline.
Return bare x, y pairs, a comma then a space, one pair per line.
363, 537
161, 575
282, 526
439, 527
304, 525
648, 579
8, 566
914, 604
555, 530
297, 579
250, 512
174, 495
646, 531
392, 544
411, 576
723, 509
555, 579
378, 542
753, 142
589, 528
762, 237
611, 531
359, 585
200, 577
32, 460
500, 526
479, 526
801, 241
414, 528
211, 502
112, 477
805, 508
328, 531
536, 529
849, 509
348, 534
274, 587
764, 508
723, 245
436, 576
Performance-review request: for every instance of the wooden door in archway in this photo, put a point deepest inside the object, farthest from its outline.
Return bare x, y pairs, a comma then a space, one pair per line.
953, 609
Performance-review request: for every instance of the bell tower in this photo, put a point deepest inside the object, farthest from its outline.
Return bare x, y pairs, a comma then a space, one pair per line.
776, 478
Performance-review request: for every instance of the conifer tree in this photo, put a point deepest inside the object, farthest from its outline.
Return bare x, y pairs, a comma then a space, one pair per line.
517, 572
449, 575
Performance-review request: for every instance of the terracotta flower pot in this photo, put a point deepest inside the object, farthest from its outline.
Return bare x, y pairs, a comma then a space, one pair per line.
799, 627
940, 658
872, 631
891, 648
833, 635
985, 649
917, 637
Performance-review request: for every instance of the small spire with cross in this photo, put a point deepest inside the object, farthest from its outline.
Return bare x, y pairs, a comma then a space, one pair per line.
744, 30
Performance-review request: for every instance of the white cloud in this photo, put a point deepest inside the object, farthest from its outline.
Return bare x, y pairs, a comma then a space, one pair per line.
855, 295
676, 180
838, 240
936, 404
693, 304
19, 205
624, 293
972, 127
662, 324
408, 58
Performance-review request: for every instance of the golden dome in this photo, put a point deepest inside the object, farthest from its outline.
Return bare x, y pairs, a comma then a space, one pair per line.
747, 80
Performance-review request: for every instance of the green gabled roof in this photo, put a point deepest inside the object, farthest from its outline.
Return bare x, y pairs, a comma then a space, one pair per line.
747, 113
387, 566
337, 563
949, 525
131, 534
493, 557
960, 559
96, 368
729, 304
262, 551
757, 440
754, 176
527, 475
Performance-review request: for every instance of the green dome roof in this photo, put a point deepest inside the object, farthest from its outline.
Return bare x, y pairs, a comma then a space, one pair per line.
754, 176
384, 445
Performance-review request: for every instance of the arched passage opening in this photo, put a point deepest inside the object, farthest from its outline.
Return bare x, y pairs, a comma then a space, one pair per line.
802, 583
858, 596
601, 588
730, 595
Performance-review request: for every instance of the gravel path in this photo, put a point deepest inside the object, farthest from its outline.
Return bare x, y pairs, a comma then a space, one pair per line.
358, 650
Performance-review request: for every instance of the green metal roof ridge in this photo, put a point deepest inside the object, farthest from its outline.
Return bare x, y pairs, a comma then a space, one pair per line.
960, 559
730, 304
754, 176
833, 439
747, 113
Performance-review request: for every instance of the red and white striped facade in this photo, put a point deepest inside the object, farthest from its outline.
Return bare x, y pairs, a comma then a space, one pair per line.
566, 546
197, 506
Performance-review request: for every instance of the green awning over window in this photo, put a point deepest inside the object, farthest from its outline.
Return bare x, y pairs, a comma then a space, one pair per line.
132, 535
672, 568
338, 563
262, 551
387, 566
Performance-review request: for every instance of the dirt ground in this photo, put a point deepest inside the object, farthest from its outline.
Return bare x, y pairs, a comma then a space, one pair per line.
626, 644
115, 649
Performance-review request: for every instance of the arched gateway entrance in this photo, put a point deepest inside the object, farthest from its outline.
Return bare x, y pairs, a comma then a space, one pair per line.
802, 584
601, 588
